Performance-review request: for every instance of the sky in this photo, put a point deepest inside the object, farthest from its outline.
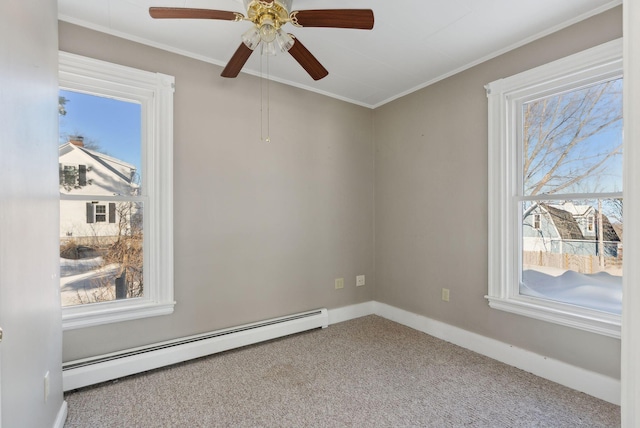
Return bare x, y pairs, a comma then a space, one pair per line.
113, 124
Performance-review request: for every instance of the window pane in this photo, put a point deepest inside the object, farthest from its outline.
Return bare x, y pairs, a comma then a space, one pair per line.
100, 261
572, 141
106, 128
572, 252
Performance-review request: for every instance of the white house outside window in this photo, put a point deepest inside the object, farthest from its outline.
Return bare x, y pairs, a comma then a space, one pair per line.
555, 191
116, 240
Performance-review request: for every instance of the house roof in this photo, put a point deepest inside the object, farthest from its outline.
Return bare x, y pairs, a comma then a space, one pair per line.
565, 222
608, 231
120, 168
568, 227
576, 210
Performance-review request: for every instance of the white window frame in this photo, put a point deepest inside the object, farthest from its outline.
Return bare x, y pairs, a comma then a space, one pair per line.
154, 92
504, 240
103, 214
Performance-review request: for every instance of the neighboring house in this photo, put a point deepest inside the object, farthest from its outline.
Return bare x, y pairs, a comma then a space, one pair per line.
567, 229
90, 175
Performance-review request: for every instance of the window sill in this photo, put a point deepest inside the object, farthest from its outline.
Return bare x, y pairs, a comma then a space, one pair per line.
110, 312
560, 313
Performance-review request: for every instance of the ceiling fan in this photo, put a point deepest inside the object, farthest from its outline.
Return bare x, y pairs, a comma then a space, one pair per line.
268, 16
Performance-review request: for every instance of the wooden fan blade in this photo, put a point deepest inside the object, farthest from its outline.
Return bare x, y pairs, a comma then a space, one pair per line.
360, 19
307, 60
181, 12
237, 61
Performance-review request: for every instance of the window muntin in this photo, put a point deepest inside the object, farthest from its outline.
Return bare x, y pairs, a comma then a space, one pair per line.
149, 184
516, 186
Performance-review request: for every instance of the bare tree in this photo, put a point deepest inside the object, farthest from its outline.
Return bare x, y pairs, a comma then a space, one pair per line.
125, 252
560, 148
614, 209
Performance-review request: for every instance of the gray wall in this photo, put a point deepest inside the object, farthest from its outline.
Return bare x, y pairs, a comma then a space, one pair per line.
29, 264
261, 229
431, 203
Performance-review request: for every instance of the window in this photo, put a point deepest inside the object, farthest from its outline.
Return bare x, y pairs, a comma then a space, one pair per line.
96, 213
116, 226
555, 191
73, 176
101, 214
69, 175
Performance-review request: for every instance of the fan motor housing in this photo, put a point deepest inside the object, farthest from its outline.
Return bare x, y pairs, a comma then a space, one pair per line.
277, 11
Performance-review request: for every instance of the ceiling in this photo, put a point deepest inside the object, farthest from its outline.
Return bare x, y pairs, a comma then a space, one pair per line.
413, 43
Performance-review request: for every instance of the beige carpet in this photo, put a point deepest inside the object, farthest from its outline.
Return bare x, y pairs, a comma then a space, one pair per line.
368, 372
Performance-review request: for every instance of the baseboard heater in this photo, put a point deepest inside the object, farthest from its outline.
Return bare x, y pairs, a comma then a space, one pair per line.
90, 371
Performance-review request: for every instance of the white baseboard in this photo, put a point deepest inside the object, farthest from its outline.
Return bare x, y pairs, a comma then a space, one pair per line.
595, 384
90, 371
62, 416
347, 313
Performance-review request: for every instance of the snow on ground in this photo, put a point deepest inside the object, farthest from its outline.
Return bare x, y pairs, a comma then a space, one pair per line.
69, 267
81, 277
601, 291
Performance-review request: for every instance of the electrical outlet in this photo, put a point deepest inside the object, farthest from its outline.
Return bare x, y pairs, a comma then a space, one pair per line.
46, 387
445, 294
339, 283
359, 280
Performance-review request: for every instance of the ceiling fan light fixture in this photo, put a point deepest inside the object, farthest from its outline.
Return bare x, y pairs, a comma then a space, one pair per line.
284, 40
269, 49
251, 38
267, 31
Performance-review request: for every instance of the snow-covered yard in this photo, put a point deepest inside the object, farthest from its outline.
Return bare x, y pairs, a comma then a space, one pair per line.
81, 277
601, 291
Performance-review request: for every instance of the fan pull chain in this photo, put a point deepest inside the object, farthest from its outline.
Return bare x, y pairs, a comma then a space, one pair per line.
265, 114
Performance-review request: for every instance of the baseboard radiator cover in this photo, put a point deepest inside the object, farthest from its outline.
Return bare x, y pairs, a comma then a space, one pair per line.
89, 371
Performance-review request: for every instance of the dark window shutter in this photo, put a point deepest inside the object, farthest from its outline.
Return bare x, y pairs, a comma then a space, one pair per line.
82, 175
61, 173
90, 213
112, 212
